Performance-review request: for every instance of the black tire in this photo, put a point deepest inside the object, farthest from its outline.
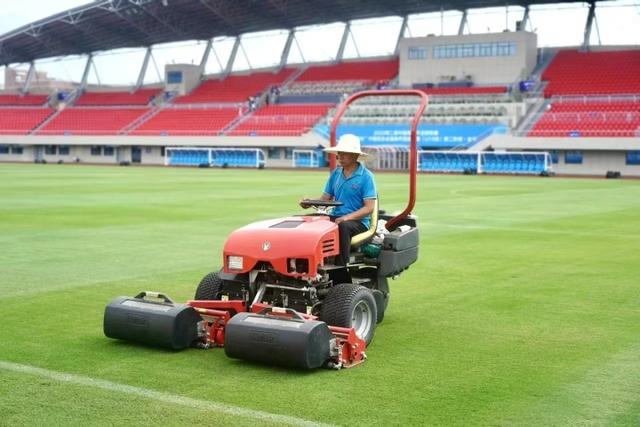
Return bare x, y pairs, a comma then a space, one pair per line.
209, 287
351, 306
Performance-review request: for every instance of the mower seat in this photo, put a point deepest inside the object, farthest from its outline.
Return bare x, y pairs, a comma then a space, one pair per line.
365, 236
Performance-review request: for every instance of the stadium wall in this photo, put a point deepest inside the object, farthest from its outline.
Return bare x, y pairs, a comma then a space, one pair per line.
424, 66
84, 149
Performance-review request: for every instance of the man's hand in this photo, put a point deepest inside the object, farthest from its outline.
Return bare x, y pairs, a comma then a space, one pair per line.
341, 219
304, 205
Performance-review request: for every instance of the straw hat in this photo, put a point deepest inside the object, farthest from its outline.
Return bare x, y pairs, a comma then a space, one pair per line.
348, 143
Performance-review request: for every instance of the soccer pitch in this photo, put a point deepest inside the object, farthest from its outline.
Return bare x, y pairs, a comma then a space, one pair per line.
523, 308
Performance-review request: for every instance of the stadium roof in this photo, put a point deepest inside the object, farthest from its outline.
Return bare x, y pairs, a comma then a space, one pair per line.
112, 24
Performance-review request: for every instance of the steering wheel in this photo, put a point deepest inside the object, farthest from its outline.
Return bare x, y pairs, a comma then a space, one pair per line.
322, 207
321, 203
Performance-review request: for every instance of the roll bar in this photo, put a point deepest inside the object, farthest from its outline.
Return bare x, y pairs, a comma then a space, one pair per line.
413, 154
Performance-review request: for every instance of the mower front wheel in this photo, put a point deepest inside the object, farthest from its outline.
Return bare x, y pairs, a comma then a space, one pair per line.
351, 306
209, 287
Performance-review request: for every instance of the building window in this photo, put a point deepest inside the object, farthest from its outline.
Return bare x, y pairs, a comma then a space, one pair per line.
96, 150
274, 153
417, 52
147, 150
16, 149
163, 151
573, 157
63, 150
484, 49
4, 149
554, 156
108, 150
50, 150
288, 153
633, 157
469, 50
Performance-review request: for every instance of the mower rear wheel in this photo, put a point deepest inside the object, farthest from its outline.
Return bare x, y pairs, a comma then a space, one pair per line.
351, 306
209, 287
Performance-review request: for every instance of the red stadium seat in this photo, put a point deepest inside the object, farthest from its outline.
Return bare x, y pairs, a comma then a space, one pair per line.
139, 97
368, 71
20, 121
235, 88
186, 121
593, 73
92, 121
590, 117
13, 99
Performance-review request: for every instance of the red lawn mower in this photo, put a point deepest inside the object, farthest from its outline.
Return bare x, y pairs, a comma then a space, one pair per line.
280, 298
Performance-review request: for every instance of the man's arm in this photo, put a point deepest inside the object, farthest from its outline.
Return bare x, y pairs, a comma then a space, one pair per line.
369, 205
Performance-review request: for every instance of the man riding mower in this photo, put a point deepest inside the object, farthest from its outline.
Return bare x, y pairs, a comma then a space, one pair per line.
286, 294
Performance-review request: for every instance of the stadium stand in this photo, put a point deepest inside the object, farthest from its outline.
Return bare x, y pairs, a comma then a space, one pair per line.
139, 97
188, 121
91, 121
366, 71
471, 109
279, 120
12, 99
589, 119
22, 120
592, 94
573, 72
234, 88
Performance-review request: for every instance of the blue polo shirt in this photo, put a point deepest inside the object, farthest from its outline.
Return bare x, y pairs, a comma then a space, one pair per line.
351, 191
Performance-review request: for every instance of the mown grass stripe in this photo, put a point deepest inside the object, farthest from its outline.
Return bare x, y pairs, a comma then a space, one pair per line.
158, 396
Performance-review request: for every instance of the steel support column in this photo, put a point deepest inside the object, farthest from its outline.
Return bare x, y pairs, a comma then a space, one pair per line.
29, 79
232, 57
589, 25
343, 41
286, 49
143, 69
403, 30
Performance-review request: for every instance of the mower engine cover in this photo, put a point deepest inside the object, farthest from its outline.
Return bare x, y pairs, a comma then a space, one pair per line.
295, 246
289, 342
161, 324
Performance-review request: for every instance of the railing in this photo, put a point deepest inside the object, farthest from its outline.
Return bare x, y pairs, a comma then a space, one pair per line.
587, 99
577, 133
205, 106
592, 116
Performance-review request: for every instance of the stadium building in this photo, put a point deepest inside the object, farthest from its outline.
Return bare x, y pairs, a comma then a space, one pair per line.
500, 100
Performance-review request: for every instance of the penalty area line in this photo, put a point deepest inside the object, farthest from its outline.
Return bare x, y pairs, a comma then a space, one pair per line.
157, 395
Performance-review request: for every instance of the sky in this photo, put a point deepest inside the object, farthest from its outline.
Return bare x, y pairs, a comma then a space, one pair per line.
618, 23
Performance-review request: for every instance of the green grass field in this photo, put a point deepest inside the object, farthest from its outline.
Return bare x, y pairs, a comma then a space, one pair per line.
523, 309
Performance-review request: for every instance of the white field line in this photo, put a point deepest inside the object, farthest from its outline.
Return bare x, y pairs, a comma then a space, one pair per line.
158, 396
